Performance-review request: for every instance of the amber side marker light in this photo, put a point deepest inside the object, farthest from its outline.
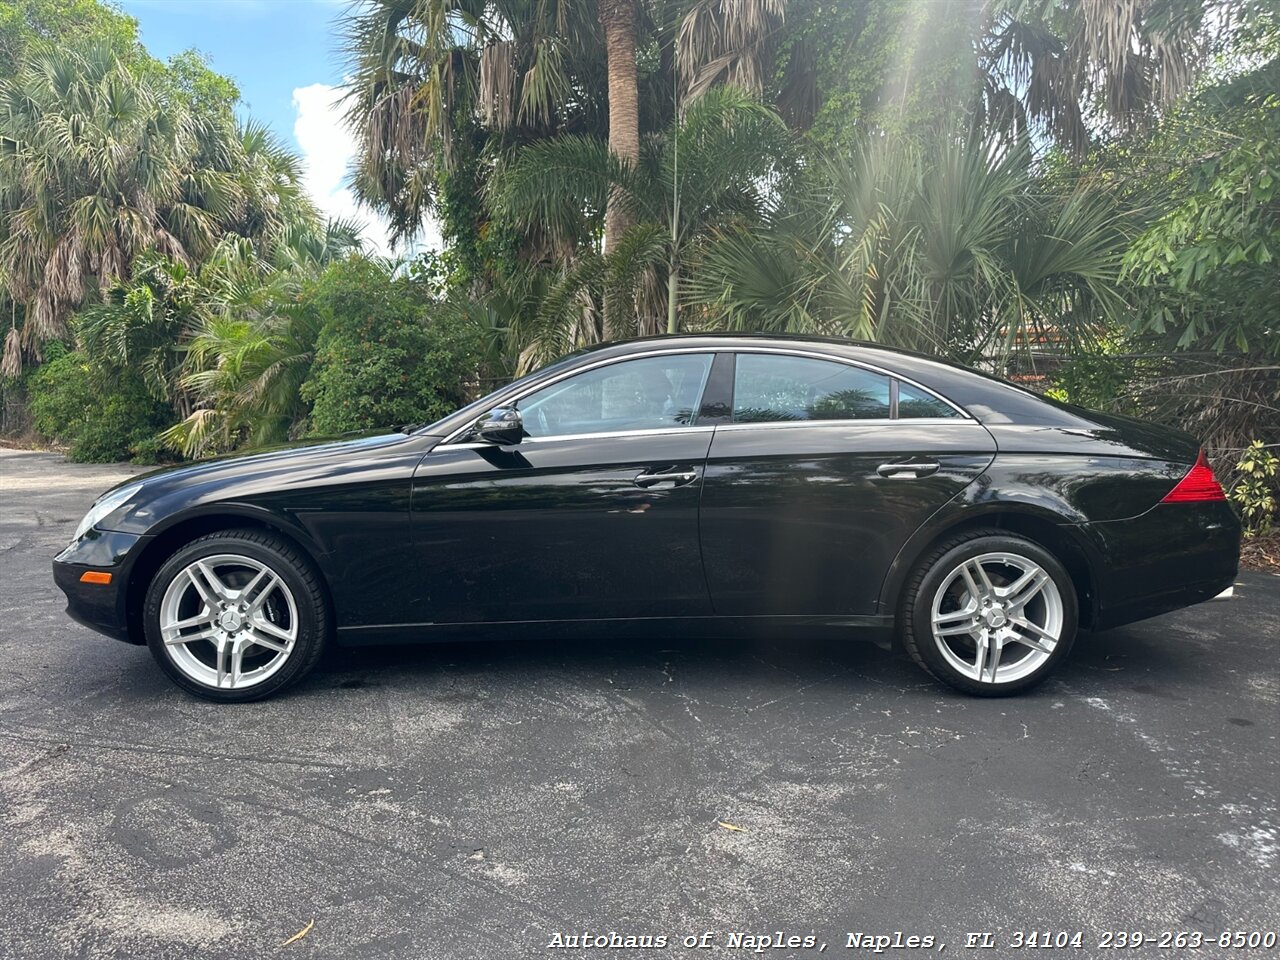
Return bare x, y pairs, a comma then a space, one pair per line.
95, 576
1198, 486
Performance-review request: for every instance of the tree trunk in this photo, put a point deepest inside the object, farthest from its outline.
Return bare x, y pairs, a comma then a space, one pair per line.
618, 19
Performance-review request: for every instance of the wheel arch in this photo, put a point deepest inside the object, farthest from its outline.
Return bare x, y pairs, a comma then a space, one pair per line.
182, 530
1039, 526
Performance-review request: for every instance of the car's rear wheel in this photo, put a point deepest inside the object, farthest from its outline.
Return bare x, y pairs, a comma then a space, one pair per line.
989, 613
235, 616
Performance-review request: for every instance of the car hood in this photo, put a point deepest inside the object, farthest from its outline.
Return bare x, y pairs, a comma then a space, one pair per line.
253, 475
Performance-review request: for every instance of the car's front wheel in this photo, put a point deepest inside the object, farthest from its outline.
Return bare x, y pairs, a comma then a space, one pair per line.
989, 613
235, 616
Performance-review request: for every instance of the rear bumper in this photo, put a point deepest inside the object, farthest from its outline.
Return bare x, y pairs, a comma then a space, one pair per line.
1173, 556
98, 606
1155, 604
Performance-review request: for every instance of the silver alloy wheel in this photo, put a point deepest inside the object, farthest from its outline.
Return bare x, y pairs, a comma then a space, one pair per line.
997, 617
228, 621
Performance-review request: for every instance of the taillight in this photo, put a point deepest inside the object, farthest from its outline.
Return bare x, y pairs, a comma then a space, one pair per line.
1197, 486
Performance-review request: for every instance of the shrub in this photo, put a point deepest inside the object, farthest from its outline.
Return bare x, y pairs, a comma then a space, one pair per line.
100, 419
384, 357
1100, 376
1255, 491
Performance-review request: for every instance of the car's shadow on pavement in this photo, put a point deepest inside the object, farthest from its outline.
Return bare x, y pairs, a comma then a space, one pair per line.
1162, 658
795, 659
1102, 661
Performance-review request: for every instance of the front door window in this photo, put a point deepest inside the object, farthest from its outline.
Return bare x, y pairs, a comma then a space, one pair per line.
651, 393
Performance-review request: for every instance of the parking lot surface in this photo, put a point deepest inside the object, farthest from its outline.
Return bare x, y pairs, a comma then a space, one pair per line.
479, 800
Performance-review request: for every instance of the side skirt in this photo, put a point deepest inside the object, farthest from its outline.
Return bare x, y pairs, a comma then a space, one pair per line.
876, 628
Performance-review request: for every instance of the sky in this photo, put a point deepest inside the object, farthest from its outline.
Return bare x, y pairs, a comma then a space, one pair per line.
284, 56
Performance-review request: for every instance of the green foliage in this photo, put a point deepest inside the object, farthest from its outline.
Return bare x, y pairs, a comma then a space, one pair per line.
1207, 264
872, 168
713, 171
1208, 181
245, 354
895, 65
111, 156
956, 250
1255, 492
1100, 375
384, 356
479, 253
101, 419
27, 22
143, 324
208, 93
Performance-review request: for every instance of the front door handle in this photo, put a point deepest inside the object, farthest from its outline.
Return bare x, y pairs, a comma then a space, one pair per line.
677, 478
908, 471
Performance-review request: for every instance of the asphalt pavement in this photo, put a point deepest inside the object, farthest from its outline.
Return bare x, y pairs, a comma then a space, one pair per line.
489, 800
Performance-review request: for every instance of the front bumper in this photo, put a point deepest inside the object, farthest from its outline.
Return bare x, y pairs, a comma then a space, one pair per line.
99, 606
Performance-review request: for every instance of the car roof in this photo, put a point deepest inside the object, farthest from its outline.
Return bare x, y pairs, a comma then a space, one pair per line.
722, 339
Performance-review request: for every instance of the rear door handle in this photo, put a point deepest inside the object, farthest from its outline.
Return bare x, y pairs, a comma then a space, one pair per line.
677, 478
908, 471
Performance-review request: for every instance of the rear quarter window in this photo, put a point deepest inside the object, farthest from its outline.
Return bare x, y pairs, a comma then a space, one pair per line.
914, 404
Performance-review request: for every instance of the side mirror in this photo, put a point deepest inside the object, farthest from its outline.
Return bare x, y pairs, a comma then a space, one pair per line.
502, 425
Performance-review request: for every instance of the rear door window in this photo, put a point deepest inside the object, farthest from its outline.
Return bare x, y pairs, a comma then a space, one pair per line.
771, 388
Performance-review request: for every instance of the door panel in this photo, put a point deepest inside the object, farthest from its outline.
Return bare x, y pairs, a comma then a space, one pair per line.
562, 529
805, 518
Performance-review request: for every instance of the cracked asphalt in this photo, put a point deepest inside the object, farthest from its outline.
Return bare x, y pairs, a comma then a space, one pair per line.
463, 801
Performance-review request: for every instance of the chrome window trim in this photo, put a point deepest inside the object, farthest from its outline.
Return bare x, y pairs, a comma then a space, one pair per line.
655, 432
786, 351
870, 422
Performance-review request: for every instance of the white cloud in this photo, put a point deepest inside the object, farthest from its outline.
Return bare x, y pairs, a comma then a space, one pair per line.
327, 150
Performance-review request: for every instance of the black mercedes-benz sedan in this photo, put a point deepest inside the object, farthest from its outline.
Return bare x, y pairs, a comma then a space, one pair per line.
718, 485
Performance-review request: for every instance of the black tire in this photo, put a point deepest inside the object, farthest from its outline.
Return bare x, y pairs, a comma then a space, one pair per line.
915, 608
297, 573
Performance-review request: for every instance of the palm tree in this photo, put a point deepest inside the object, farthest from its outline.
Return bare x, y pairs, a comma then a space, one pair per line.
1077, 68
720, 161
435, 87
618, 21
956, 251
101, 163
274, 209
246, 375
144, 324
308, 245
246, 355
91, 175
428, 79
728, 42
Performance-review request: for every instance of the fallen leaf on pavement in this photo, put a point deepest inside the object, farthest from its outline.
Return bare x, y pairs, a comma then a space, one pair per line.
300, 934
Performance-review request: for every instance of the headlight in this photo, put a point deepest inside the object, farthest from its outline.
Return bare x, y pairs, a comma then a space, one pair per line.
104, 507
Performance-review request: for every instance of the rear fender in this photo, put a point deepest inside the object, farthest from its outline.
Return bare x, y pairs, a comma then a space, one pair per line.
1039, 522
